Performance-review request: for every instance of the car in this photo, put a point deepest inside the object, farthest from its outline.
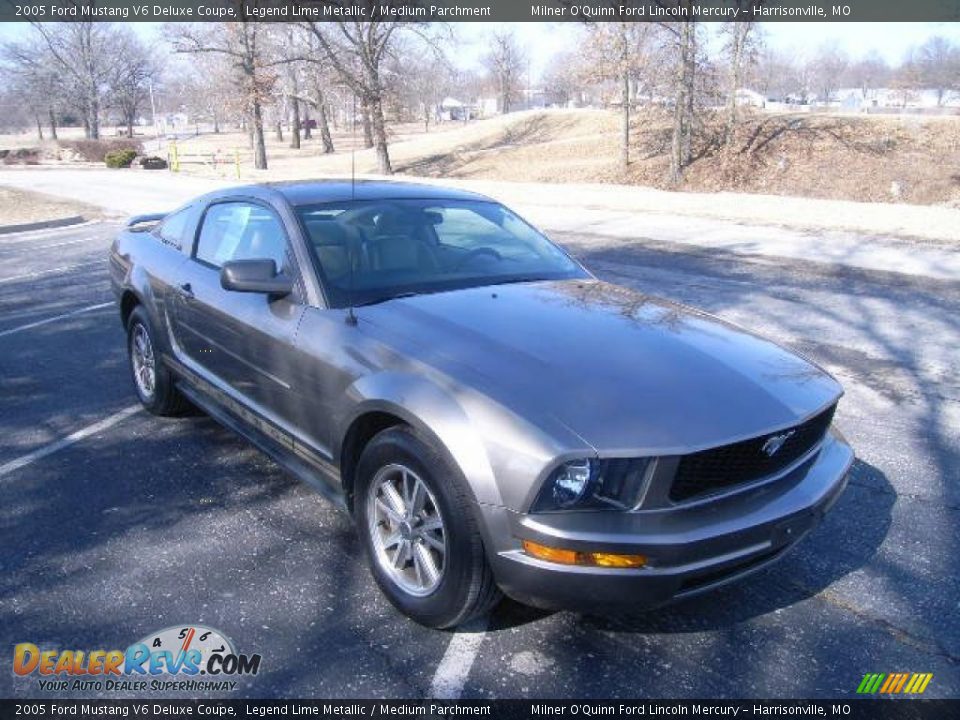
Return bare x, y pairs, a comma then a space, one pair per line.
495, 418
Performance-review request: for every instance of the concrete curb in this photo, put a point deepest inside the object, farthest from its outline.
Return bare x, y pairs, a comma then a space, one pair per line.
43, 225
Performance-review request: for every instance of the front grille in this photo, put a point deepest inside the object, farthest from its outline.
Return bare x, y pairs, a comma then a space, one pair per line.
720, 468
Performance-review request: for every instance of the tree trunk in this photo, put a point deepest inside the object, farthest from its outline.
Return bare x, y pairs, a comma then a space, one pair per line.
94, 116
53, 123
216, 123
39, 126
130, 126
86, 126
367, 127
325, 136
680, 147
279, 130
259, 144
380, 136
740, 31
307, 134
295, 128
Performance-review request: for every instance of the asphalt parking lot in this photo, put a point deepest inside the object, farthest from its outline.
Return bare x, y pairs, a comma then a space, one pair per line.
115, 523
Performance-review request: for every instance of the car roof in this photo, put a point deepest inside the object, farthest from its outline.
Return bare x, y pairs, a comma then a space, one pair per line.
308, 192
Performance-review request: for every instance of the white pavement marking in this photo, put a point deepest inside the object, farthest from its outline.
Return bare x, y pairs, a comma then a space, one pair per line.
69, 440
454, 667
38, 323
62, 268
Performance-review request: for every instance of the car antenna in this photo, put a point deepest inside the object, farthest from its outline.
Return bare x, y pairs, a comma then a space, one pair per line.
351, 318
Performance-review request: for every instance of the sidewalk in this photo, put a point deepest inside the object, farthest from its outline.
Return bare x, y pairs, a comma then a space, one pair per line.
909, 239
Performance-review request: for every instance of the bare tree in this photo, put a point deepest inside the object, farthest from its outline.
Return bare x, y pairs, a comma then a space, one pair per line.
38, 87
240, 42
938, 65
685, 33
741, 47
130, 78
356, 50
622, 53
505, 61
77, 57
829, 65
868, 73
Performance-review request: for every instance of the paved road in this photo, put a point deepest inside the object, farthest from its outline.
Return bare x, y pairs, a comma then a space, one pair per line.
143, 523
885, 236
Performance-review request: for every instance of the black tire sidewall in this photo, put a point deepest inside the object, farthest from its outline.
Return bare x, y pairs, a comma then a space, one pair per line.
163, 384
450, 602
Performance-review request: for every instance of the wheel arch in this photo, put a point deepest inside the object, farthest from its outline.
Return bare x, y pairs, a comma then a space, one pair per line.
434, 414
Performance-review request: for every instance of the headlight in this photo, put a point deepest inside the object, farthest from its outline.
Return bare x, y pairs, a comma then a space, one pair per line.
588, 483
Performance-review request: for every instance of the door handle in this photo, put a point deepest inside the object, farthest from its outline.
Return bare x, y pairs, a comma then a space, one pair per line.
185, 291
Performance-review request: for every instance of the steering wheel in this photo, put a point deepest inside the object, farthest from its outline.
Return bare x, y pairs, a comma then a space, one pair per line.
477, 252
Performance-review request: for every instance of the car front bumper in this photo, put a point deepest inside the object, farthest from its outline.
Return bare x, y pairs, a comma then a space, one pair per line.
690, 549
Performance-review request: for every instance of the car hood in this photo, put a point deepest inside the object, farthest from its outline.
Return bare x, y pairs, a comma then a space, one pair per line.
628, 373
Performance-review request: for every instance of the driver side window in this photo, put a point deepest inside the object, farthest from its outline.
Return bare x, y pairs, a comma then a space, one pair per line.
241, 231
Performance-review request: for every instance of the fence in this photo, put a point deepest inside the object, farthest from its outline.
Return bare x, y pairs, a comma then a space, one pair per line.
219, 162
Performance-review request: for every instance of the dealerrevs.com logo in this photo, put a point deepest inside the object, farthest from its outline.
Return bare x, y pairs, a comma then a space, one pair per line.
178, 658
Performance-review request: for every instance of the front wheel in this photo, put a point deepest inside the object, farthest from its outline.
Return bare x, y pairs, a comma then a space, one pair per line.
414, 516
151, 379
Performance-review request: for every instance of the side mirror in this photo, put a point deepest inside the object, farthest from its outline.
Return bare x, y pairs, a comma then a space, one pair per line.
256, 276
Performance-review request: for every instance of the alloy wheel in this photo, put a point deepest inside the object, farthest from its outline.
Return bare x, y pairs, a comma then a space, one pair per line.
407, 530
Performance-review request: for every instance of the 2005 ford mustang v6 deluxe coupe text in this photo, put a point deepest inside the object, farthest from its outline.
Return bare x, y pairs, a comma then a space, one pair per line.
494, 417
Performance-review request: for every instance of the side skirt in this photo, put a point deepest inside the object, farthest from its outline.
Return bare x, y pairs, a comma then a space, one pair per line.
303, 464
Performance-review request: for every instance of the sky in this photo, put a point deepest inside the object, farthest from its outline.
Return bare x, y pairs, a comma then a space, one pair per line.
543, 40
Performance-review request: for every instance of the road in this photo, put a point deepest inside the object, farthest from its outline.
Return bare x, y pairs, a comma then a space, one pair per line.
908, 239
116, 523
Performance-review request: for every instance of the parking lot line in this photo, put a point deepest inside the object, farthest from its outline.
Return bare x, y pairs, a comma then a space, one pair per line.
69, 440
62, 268
454, 668
38, 323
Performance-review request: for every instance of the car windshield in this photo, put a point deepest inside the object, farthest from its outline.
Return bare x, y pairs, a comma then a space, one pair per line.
368, 251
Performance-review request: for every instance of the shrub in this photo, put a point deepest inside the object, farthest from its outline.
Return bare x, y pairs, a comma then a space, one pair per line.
119, 158
152, 162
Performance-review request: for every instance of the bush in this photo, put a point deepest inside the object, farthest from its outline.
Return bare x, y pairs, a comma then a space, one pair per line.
119, 158
152, 162
96, 150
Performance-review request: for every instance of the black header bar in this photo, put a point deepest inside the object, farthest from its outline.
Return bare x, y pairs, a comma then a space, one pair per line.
481, 10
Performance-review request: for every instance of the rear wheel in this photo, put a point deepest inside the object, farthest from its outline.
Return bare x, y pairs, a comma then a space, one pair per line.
151, 379
414, 516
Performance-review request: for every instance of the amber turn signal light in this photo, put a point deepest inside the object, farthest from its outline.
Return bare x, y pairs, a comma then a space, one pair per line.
573, 557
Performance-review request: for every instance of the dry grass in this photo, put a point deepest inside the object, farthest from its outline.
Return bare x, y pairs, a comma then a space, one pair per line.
838, 157
18, 207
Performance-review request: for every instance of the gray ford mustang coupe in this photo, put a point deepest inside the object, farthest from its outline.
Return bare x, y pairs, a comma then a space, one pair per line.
493, 417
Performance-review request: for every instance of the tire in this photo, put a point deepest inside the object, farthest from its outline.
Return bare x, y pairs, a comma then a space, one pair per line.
152, 380
463, 588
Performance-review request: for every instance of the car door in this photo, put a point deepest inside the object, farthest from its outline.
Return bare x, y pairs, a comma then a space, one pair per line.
241, 341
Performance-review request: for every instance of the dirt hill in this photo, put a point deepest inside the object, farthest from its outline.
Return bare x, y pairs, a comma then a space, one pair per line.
850, 158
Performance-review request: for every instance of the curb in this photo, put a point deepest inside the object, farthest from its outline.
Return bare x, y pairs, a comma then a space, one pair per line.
43, 225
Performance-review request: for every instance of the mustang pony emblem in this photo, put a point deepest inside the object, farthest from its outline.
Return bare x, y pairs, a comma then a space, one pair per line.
773, 444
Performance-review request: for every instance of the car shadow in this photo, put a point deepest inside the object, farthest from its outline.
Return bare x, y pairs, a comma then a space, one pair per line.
860, 521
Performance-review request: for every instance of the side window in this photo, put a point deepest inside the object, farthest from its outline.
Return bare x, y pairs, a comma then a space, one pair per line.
173, 227
463, 228
241, 231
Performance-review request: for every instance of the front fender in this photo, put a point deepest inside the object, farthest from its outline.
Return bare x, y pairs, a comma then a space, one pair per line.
433, 411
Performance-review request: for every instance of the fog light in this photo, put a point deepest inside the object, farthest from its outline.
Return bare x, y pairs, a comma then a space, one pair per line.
572, 557
618, 561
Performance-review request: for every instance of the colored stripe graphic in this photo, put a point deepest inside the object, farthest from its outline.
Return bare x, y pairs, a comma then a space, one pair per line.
893, 683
